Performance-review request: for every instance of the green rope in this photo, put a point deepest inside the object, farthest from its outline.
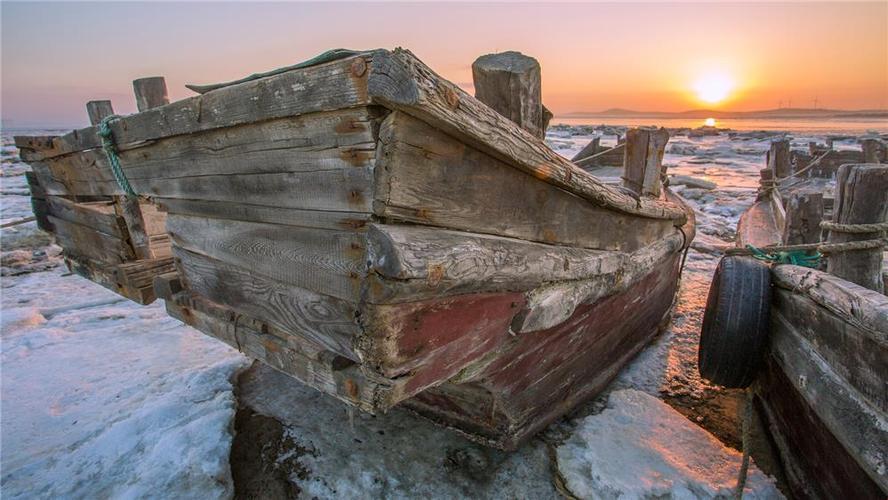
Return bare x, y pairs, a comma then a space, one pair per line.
794, 257
110, 149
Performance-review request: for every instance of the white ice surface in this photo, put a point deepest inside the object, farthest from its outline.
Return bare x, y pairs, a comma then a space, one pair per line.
103, 398
639, 447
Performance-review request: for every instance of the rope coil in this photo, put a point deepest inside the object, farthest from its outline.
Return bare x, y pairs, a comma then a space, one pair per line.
110, 149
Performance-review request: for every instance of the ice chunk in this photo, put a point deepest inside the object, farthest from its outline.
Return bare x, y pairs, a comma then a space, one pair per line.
639, 447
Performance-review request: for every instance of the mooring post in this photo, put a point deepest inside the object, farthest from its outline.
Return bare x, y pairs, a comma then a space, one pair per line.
861, 198
804, 212
778, 158
643, 160
151, 92
98, 111
509, 82
872, 149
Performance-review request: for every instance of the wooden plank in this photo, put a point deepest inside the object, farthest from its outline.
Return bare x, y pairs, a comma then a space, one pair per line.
399, 80
355, 221
861, 198
334, 190
859, 427
590, 149
413, 263
865, 308
608, 157
326, 321
325, 87
428, 177
335, 140
853, 353
89, 215
82, 240
324, 261
816, 464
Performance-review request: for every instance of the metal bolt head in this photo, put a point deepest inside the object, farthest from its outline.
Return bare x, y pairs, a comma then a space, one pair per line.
451, 97
359, 67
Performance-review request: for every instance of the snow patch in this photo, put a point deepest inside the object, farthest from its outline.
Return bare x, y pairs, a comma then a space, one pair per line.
103, 398
639, 447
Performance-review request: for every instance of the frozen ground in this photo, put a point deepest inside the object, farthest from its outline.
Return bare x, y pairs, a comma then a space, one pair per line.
103, 398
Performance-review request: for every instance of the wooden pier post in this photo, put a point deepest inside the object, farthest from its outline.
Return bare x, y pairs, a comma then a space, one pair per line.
509, 82
151, 92
778, 158
98, 111
861, 198
643, 160
804, 211
872, 150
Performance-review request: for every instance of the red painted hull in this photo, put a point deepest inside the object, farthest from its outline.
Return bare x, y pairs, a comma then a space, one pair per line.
536, 377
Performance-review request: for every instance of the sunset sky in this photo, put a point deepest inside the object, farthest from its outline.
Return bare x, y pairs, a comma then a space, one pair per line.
643, 56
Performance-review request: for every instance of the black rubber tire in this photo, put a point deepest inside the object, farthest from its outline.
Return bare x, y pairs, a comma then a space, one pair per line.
736, 322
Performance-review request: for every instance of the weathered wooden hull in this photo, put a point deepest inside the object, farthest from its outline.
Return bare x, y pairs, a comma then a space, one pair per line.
369, 229
535, 378
824, 390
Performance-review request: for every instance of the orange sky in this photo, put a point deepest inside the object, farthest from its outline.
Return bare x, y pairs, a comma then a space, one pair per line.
644, 56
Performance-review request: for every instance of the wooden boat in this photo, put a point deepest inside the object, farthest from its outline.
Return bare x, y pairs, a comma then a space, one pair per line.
821, 385
370, 229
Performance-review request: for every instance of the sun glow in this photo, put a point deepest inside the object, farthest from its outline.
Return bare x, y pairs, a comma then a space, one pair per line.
714, 88
709, 122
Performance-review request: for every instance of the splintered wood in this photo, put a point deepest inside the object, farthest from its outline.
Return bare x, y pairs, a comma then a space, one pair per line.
375, 232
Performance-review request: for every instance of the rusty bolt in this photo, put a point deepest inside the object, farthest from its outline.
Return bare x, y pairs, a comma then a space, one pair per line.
451, 97
359, 67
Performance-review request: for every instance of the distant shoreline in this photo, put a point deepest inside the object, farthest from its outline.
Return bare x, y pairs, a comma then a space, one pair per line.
773, 114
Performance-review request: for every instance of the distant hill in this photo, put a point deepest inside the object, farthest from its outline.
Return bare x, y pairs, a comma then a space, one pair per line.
782, 113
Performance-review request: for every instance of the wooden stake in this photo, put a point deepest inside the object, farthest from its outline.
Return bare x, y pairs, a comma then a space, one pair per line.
150, 92
804, 211
861, 198
778, 158
98, 110
643, 160
509, 82
872, 150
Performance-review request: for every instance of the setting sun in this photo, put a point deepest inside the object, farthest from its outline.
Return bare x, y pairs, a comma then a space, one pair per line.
714, 87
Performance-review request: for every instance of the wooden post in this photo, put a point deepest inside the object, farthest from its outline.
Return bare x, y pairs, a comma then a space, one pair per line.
643, 160
778, 158
509, 82
98, 110
150, 92
861, 198
872, 149
804, 211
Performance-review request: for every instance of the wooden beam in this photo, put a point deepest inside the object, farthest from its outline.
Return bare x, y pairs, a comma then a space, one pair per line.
151, 92
804, 211
509, 82
325, 87
861, 198
98, 110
